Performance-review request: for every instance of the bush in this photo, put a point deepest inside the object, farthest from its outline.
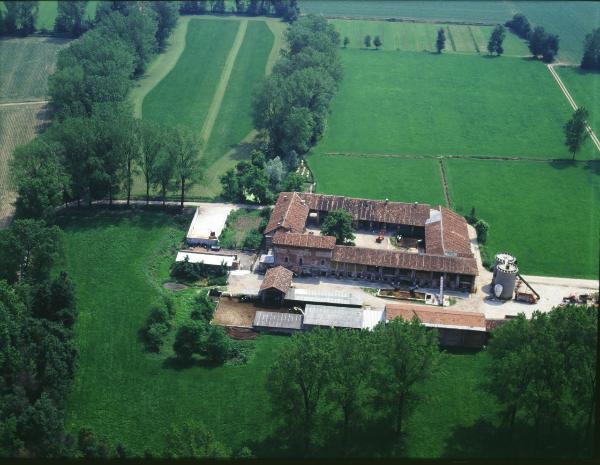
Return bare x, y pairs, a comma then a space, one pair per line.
240, 352
157, 326
218, 345
194, 271
217, 281
253, 240
154, 336
204, 308
159, 314
482, 229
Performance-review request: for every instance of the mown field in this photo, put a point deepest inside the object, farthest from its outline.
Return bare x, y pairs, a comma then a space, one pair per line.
419, 37
571, 20
26, 65
117, 260
584, 87
545, 213
377, 177
429, 104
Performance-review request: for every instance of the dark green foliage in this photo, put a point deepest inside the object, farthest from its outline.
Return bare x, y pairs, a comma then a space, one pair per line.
519, 24
440, 42
591, 51
204, 307
189, 339
575, 131
346, 42
286, 9
157, 326
377, 42
482, 228
193, 440
249, 181
338, 223
20, 16
90, 446
194, 271
543, 369
367, 41
543, 44
496, 40
293, 102
167, 14
253, 240
186, 149
217, 346
55, 301
71, 18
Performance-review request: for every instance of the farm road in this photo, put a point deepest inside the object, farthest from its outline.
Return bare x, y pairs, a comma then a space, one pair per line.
16, 104
215, 105
565, 91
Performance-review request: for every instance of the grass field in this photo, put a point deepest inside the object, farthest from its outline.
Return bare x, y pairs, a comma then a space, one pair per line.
545, 213
584, 87
26, 65
427, 104
375, 177
571, 20
418, 37
117, 260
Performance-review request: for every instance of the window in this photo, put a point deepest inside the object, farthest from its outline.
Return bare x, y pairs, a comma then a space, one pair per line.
322, 262
300, 261
286, 259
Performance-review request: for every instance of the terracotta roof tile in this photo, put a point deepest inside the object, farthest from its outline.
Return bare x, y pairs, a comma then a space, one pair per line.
432, 316
279, 278
290, 212
446, 234
309, 241
407, 260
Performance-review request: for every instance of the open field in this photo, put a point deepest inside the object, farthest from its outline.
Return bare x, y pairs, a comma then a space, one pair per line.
26, 65
397, 103
419, 37
545, 213
584, 87
117, 260
373, 177
570, 20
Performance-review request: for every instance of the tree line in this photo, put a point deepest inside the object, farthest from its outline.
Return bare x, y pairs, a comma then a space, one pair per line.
541, 43
286, 9
327, 387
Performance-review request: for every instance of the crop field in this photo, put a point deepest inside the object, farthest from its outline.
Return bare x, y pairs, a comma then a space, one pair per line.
584, 87
427, 104
545, 213
570, 20
419, 37
117, 281
377, 177
18, 125
26, 65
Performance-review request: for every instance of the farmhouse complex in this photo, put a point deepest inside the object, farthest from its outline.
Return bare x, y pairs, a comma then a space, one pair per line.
431, 244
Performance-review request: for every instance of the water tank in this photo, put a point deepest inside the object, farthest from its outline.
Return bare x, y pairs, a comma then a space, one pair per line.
506, 276
502, 257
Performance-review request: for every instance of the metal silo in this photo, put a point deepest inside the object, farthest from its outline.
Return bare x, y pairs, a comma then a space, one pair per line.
505, 280
502, 258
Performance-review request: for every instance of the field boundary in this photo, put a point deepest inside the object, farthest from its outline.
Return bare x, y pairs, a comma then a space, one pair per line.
451, 38
215, 106
473, 39
566, 93
445, 183
28, 102
409, 20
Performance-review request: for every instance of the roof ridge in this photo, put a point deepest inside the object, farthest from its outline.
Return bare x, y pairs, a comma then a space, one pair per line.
442, 229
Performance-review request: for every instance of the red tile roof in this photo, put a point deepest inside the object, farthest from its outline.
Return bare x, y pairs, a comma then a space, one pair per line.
432, 316
279, 278
406, 260
414, 214
290, 213
446, 234
308, 241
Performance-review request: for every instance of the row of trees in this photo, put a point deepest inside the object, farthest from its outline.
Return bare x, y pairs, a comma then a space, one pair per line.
591, 51
286, 9
540, 42
292, 104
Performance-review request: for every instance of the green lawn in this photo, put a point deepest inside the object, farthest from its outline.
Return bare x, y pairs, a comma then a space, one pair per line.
26, 65
545, 213
418, 37
184, 95
584, 87
117, 261
427, 104
376, 177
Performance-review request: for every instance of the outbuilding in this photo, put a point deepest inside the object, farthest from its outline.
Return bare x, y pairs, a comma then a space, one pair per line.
275, 285
277, 322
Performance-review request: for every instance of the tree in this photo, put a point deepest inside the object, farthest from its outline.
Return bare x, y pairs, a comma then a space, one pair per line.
167, 15
544, 44
204, 307
293, 182
591, 51
576, 131
346, 41
189, 340
377, 42
496, 40
193, 440
153, 143
275, 171
440, 42
38, 174
367, 41
519, 24
407, 354
217, 345
165, 165
482, 228
338, 223
20, 17
296, 382
70, 17
230, 186
187, 159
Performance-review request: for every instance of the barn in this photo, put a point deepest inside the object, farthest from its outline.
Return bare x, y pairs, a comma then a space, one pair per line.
275, 285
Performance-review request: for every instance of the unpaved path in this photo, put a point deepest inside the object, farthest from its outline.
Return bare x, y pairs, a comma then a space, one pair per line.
215, 105
161, 66
16, 104
565, 91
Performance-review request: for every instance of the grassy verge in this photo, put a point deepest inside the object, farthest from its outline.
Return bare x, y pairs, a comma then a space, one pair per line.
544, 213
429, 104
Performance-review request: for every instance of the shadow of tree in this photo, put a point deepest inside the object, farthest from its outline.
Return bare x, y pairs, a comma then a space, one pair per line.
562, 164
593, 166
